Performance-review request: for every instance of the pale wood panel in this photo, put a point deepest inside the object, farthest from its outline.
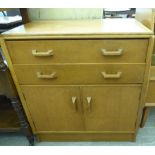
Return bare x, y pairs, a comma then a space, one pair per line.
151, 92
112, 108
151, 88
77, 51
87, 137
80, 27
76, 36
79, 73
52, 109
150, 96
145, 83
145, 115
150, 104
152, 73
145, 16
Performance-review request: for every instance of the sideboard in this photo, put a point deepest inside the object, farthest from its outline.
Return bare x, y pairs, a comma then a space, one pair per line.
81, 79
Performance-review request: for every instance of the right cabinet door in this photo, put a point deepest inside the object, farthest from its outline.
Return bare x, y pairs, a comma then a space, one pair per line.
111, 107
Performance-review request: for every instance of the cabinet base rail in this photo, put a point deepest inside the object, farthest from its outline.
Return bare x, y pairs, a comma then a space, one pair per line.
86, 137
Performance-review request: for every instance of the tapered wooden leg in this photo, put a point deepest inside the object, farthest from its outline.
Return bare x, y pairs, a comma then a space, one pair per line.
144, 116
25, 127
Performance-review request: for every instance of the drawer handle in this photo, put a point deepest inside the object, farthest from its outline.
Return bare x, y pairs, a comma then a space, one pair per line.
111, 53
89, 99
42, 54
43, 76
74, 99
111, 76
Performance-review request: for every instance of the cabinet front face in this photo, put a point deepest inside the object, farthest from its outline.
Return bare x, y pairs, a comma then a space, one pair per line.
54, 108
110, 108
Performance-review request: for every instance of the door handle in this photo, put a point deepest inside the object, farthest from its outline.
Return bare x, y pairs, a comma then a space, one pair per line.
42, 54
89, 99
112, 53
74, 103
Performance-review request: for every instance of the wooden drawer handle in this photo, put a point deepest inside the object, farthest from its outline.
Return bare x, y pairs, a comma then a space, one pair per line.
111, 76
42, 54
74, 99
89, 99
43, 76
111, 53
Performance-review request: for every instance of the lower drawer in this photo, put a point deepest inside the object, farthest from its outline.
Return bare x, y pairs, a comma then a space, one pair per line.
80, 74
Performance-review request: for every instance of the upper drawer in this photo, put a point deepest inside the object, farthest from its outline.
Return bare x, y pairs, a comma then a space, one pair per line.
80, 74
77, 51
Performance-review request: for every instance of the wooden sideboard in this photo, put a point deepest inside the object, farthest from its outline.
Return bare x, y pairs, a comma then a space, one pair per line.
82, 79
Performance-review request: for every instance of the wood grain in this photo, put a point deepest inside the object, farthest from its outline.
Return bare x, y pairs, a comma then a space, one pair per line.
145, 16
80, 73
103, 112
146, 81
108, 109
87, 137
78, 51
52, 108
151, 92
80, 27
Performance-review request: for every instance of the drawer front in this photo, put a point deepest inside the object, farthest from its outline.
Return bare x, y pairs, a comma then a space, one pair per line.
80, 74
76, 51
151, 92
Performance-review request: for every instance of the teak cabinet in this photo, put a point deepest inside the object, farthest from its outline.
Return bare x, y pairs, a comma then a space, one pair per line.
83, 79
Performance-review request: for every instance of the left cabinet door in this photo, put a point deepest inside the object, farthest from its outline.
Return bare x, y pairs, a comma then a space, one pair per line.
54, 108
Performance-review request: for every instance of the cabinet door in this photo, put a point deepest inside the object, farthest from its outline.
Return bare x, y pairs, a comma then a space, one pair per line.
110, 108
54, 108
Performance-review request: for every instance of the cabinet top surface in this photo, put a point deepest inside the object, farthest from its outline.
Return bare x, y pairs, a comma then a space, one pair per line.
80, 27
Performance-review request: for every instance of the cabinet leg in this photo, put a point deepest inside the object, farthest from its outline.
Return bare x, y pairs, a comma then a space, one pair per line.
144, 116
25, 127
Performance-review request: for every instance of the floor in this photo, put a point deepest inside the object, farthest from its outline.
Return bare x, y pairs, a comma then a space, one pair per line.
145, 137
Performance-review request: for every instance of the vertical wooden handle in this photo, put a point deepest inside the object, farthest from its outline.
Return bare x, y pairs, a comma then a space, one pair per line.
89, 99
42, 54
111, 53
74, 103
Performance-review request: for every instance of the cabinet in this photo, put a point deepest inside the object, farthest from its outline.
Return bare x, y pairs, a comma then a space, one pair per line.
81, 80
85, 108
